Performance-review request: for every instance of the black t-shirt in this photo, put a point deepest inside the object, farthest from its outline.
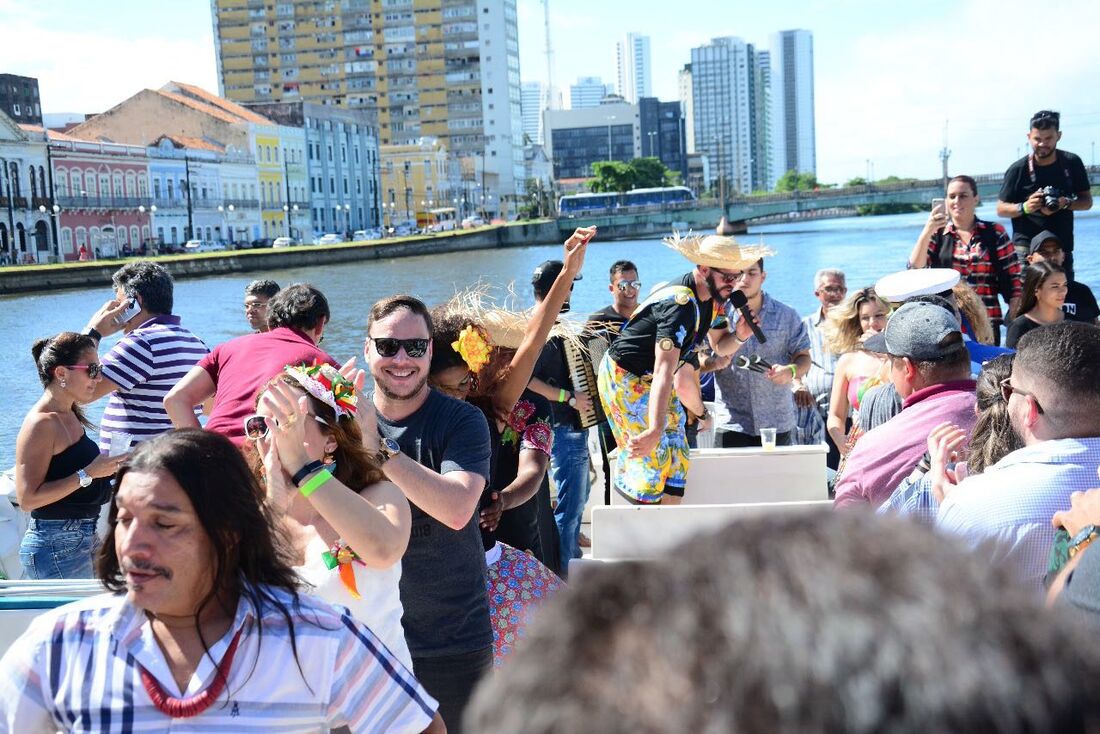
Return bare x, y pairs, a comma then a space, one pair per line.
552, 369
1080, 303
519, 527
1020, 326
1066, 174
606, 322
443, 570
634, 349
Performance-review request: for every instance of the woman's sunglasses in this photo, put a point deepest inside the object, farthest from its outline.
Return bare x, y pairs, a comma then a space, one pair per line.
389, 347
95, 369
256, 426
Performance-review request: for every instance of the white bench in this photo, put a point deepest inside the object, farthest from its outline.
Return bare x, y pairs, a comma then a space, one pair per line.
633, 532
737, 476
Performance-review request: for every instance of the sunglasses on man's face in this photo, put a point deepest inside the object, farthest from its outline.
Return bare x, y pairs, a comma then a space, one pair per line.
257, 426
387, 347
94, 369
633, 284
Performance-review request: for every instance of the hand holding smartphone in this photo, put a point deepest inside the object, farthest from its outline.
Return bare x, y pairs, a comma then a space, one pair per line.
132, 310
939, 210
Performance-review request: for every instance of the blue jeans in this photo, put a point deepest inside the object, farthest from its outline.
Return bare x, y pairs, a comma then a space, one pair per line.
58, 549
569, 469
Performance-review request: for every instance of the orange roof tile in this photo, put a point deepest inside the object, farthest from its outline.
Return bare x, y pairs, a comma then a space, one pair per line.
186, 141
221, 103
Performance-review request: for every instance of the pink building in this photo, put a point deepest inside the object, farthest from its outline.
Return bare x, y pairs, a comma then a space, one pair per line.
102, 191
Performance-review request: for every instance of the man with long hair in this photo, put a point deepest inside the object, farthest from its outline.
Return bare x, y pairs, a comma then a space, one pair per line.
203, 621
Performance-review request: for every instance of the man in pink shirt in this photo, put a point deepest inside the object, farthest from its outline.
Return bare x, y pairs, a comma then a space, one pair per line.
930, 368
235, 371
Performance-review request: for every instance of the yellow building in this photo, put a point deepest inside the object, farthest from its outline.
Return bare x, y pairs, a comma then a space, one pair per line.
417, 177
430, 68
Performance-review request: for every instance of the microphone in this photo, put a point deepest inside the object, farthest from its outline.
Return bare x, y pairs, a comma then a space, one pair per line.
745, 363
741, 303
761, 362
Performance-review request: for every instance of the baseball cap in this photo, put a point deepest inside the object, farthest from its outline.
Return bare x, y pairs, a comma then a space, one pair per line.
896, 287
545, 275
1038, 240
915, 331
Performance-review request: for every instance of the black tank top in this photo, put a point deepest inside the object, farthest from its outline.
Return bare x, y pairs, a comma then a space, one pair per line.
85, 502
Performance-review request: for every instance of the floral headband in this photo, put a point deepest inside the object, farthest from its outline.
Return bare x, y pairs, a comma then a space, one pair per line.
473, 349
324, 382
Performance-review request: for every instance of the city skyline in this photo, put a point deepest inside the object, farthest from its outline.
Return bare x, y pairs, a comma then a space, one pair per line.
885, 78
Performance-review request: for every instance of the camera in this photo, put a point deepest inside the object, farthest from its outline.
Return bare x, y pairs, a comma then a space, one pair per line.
1052, 194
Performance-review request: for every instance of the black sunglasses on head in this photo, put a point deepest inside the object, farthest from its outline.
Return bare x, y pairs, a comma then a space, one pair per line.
388, 347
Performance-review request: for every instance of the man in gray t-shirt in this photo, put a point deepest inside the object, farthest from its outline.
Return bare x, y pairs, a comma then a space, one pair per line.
437, 451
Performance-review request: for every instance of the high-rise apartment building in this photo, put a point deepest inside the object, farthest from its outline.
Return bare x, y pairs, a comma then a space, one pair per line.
635, 77
793, 141
575, 139
587, 92
687, 104
762, 145
532, 100
19, 99
724, 99
447, 69
662, 133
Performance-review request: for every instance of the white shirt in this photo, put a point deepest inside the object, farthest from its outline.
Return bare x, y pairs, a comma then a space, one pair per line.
379, 606
77, 670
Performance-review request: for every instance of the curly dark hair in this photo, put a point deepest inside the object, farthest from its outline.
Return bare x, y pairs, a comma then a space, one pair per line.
298, 306
150, 280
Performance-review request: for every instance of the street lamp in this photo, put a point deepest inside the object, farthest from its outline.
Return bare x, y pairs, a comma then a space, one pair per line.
651, 134
53, 211
152, 210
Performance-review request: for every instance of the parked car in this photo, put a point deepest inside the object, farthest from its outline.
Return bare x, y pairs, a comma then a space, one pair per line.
474, 221
328, 239
262, 242
404, 229
201, 246
285, 242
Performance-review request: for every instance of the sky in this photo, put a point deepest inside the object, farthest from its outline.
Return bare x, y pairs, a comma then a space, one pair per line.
888, 76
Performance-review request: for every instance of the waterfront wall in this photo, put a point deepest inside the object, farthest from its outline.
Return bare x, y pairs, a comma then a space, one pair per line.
30, 278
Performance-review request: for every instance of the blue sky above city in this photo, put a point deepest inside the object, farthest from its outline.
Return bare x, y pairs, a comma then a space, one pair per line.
887, 75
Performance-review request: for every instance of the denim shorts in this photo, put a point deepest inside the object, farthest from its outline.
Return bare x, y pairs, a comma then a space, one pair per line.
59, 549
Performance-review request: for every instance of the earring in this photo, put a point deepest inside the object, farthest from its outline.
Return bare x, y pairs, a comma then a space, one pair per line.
62, 384
329, 459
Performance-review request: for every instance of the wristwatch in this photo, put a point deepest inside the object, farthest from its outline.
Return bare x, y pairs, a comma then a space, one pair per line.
84, 477
572, 402
1081, 541
387, 449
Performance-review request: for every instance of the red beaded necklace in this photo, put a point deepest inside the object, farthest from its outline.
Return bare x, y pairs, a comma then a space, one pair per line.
185, 708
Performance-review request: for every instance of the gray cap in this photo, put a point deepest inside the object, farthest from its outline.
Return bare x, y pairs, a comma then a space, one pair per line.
915, 330
1042, 238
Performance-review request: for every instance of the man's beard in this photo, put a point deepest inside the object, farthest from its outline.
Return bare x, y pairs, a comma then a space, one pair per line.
714, 289
390, 394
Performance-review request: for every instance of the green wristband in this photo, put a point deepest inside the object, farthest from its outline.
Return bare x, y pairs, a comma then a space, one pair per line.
315, 483
794, 372
562, 394
1023, 208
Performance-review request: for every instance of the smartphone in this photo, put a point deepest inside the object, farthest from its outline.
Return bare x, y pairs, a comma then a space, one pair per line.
132, 309
940, 202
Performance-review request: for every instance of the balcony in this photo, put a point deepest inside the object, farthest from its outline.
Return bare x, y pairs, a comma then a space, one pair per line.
18, 202
241, 203
103, 202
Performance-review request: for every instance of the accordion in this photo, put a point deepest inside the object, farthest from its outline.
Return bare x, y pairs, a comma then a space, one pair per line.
583, 358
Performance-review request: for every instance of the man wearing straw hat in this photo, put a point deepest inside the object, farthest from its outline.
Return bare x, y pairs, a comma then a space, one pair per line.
637, 375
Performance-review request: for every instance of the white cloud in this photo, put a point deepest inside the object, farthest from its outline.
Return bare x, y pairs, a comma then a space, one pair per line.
89, 71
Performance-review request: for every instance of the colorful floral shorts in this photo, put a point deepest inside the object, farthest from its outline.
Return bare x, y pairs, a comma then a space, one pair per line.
625, 398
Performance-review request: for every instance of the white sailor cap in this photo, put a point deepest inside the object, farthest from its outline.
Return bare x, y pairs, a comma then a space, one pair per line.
896, 287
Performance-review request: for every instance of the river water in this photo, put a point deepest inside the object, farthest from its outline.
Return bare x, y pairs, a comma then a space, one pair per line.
864, 247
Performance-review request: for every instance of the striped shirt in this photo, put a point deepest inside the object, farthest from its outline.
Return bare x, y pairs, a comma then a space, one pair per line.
145, 364
77, 670
1007, 508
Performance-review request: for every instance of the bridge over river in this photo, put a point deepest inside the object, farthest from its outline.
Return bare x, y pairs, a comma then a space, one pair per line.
741, 211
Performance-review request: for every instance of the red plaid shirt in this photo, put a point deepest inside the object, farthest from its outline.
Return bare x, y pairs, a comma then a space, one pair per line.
974, 264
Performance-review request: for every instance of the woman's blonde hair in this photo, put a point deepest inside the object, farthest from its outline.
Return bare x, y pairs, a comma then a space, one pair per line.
842, 329
973, 310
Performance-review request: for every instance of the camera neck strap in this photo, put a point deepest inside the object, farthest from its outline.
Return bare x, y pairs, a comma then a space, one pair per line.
1058, 158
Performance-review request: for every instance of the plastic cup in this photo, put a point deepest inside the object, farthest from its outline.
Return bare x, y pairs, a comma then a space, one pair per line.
767, 438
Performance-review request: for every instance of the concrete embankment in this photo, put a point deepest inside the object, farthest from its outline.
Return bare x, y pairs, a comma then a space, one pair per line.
29, 278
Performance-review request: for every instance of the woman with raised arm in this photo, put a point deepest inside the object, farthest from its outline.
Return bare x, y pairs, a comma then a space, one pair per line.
61, 479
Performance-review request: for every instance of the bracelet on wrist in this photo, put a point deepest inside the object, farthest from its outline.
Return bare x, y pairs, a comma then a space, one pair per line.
92, 332
794, 371
562, 395
1023, 208
305, 471
315, 482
